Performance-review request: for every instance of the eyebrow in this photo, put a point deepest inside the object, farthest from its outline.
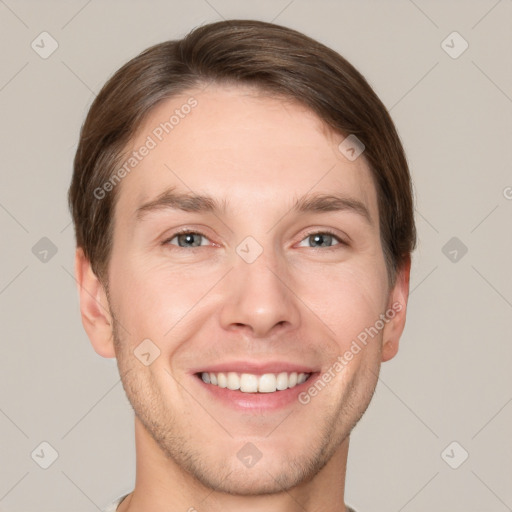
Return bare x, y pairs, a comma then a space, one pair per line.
190, 202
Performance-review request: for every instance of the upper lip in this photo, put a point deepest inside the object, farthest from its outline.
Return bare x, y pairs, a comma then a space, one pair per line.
254, 367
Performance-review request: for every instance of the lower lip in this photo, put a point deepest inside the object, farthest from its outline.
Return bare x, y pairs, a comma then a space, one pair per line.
256, 401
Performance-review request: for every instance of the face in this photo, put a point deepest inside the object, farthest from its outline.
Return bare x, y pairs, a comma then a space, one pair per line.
263, 282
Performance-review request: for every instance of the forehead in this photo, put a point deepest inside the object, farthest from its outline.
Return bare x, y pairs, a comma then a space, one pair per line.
242, 147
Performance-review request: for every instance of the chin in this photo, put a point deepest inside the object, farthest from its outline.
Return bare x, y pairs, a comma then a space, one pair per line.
262, 479
273, 469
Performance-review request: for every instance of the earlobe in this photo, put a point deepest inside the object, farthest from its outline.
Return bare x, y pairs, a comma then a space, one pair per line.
94, 307
389, 350
397, 307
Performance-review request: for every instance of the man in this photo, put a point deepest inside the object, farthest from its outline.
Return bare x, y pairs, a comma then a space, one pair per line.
244, 223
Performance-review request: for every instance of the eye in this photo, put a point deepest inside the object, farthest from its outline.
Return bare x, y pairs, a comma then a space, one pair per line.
191, 239
322, 239
187, 239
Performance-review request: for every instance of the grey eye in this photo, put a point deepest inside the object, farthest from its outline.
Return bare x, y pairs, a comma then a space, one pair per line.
189, 239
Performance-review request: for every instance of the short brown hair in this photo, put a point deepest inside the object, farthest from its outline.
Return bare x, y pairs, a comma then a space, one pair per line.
275, 59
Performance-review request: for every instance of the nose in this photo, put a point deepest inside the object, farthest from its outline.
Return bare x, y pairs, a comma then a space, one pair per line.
259, 298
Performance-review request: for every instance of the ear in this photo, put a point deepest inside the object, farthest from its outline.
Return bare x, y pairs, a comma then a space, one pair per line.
94, 308
397, 304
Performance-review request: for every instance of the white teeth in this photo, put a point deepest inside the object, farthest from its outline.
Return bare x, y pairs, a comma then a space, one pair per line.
282, 381
222, 380
251, 383
267, 383
248, 383
233, 381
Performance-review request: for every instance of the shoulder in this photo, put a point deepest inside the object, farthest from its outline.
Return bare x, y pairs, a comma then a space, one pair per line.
113, 506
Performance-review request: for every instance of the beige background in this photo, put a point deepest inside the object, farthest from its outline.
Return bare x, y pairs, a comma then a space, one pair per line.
451, 380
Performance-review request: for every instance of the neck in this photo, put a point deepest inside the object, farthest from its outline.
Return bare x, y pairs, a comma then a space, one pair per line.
162, 485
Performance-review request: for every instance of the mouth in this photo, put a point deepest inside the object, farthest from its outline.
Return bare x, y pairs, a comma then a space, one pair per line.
252, 387
254, 383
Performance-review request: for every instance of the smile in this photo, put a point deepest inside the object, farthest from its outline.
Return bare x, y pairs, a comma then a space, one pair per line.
252, 383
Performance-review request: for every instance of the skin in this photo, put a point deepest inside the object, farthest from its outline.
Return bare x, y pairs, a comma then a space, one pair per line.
296, 302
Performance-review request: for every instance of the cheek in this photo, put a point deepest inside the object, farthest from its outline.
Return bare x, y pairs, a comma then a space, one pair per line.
138, 300
152, 301
348, 299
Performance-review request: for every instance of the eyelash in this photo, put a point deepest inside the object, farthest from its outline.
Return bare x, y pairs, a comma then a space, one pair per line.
187, 231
